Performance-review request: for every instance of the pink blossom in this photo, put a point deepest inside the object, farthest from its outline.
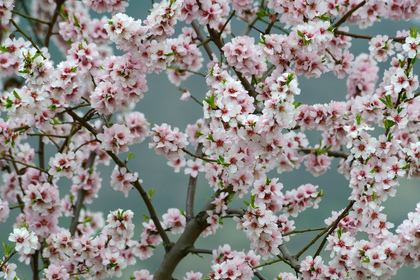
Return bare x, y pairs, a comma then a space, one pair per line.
142, 275
381, 47
53, 272
194, 166
110, 6
243, 55
193, 275
26, 242
163, 17
4, 210
174, 220
8, 271
138, 125
116, 139
121, 180
168, 142
411, 46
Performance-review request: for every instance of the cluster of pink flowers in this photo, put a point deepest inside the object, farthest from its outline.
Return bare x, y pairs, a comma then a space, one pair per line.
230, 264
163, 17
125, 31
121, 180
116, 138
26, 242
174, 220
168, 142
110, 6
244, 56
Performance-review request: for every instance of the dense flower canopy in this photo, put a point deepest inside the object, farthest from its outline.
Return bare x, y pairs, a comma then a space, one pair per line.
82, 109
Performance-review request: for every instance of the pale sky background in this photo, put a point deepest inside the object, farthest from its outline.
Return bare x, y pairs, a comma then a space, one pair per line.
161, 105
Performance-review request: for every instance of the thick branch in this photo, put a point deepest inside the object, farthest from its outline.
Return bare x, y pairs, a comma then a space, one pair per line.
202, 39
185, 243
192, 184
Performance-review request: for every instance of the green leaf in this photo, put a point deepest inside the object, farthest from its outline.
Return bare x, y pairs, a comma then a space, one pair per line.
211, 101
151, 192
388, 124
210, 137
263, 13
197, 134
4, 49
55, 121
253, 200
358, 119
297, 104
76, 21
290, 78
247, 203
324, 17
130, 156
52, 107
263, 39
88, 220
339, 232
384, 101
146, 217
413, 32
9, 103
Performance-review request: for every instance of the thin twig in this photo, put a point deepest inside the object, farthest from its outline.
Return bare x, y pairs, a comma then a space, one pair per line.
368, 37
200, 251
25, 164
304, 230
226, 23
334, 225
329, 153
27, 37
348, 14
198, 156
59, 3
29, 17
256, 273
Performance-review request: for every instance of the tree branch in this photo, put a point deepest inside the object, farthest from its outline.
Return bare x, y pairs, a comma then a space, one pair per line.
348, 14
186, 241
51, 24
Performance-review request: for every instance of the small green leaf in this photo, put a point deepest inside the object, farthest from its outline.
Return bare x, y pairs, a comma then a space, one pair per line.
130, 156
151, 192
4, 49
358, 119
9, 103
76, 21
297, 104
388, 124
211, 101
253, 200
